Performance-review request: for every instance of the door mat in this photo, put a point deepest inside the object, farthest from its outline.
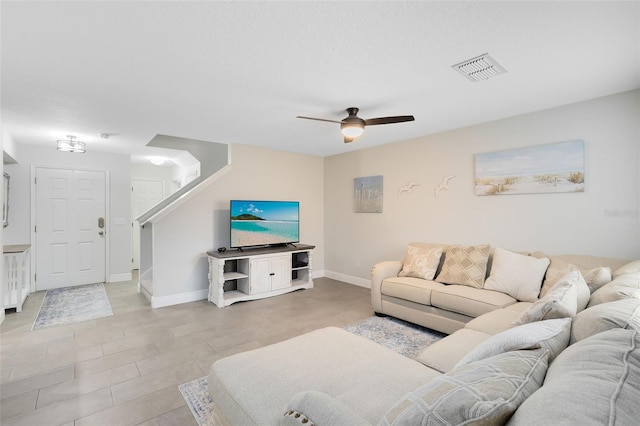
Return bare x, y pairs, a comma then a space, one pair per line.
70, 305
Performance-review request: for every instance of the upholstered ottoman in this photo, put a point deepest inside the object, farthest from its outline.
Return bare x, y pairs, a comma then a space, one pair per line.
254, 387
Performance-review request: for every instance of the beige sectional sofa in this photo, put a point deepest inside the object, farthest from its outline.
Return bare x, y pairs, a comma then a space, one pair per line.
557, 367
448, 306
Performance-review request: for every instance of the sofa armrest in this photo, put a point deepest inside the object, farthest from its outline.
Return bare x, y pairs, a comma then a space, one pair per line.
379, 273
319, 409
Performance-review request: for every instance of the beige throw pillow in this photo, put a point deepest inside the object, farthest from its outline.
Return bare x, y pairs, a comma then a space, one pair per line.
624, 313
558, 268
421, 261
517, 275
622, 287
485, 392
465, 265
560, 302
592, 382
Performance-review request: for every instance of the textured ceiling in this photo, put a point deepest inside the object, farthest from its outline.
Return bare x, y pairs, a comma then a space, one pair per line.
240, 72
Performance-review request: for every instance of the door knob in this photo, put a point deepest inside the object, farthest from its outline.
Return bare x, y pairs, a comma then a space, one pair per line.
100, 233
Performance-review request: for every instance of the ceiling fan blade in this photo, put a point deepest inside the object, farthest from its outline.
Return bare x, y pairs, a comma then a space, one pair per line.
319, 119
388, 120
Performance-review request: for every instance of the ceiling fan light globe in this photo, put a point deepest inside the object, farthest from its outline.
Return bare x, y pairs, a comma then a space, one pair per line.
352, 130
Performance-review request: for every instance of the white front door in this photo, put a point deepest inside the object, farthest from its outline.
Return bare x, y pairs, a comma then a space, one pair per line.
144, 195
70, 228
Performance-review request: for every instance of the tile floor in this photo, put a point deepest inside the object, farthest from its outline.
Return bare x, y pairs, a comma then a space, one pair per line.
125, 369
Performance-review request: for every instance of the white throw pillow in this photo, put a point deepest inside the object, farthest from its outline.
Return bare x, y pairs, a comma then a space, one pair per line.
421, 261
629, 268
550, 334
517, 275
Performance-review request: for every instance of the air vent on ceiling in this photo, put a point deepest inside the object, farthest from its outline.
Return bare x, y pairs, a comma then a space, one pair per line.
479, 68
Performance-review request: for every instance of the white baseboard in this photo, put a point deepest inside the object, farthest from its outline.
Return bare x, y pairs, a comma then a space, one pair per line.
360, 282
116, 278
176, 299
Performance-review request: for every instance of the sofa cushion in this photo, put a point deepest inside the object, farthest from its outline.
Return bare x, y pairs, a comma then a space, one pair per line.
561, 301
444, 354
468, 300
629, 268
592, 382
483, 392
497, 321
624, 313
549, 334
421, 261
622, 287
516, 275
408, 288
465, 265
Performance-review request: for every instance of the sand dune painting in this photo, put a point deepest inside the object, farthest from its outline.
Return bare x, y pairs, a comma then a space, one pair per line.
557, 167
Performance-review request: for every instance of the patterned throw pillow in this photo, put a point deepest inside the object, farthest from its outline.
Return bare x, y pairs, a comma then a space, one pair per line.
517, 275
465, 265
484, 392
421, 261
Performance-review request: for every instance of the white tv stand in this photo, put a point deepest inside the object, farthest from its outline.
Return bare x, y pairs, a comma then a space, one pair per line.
256, 273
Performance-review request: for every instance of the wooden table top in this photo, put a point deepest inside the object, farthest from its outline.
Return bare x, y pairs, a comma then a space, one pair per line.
15, 248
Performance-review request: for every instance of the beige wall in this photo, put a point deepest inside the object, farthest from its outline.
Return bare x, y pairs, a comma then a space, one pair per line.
202, 223
580, 223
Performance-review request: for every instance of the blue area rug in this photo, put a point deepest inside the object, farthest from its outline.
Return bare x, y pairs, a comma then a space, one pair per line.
70, 305
400, 336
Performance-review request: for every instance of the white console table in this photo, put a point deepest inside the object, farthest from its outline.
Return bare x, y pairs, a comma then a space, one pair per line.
251, 274
17, 270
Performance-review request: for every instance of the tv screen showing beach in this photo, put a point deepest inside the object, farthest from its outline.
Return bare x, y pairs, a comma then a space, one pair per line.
260, 223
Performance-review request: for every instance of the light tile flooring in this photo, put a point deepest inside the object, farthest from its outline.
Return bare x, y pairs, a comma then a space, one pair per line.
125, 369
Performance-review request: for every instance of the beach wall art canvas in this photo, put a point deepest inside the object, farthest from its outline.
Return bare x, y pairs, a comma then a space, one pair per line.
557, 167
367, 194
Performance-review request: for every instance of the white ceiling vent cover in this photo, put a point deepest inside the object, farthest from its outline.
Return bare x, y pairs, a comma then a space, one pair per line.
479, 68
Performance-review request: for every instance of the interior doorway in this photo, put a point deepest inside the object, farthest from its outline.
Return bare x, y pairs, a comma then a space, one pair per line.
145, 193
70, 227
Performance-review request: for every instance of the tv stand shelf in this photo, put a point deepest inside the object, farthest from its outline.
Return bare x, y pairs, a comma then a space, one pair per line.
256, 273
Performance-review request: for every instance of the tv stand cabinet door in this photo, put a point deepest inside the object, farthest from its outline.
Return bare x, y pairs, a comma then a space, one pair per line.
259, 276
280, 272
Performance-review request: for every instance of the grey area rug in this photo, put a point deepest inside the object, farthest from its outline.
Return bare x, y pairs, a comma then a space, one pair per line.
70, 305
405, 338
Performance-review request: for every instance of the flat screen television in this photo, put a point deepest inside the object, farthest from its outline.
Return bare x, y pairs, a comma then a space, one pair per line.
264, 223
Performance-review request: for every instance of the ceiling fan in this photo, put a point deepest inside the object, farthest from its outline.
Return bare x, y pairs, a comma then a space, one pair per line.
353, 126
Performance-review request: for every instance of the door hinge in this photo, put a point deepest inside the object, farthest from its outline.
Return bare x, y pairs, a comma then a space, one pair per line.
35, 180
35, 228
35, 277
